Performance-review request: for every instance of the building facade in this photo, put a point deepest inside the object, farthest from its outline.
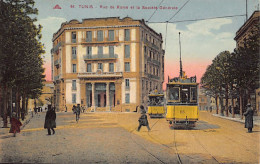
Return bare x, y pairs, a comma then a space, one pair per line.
241, 35
106, 64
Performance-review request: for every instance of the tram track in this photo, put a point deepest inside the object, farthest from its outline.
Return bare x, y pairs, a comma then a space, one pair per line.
168, 147
143, 148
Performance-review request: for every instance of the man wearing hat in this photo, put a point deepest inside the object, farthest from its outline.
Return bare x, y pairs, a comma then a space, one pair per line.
249, 118
143, 119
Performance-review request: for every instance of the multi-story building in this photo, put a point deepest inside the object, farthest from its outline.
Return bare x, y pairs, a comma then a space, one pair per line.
106, 64
241, 35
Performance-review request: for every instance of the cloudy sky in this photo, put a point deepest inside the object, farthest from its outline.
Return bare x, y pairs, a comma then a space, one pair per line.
201, 40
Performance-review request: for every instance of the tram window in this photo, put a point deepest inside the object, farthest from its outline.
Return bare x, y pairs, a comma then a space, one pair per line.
173, 93
193, 94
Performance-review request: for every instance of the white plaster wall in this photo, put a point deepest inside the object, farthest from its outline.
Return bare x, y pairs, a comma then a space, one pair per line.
94, 50
68, 37
95, 65
133, 95
68, 59
79, 36
105, 67
81, 51
119, 50
132, 90
121, 34
133, 34
133, 57
69, 91
106, 49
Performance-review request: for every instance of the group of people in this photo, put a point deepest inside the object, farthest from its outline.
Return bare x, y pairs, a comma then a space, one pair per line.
50, 119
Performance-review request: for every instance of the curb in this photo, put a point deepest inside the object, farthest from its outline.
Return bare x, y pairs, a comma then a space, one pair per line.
235, 119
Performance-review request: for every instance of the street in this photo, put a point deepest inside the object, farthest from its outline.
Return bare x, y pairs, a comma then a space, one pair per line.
112, 138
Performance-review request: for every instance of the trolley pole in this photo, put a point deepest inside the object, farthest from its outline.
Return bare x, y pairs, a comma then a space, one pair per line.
180, 55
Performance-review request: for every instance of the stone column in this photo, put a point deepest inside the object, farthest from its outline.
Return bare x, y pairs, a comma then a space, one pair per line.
83, 92
108, 97
93, 107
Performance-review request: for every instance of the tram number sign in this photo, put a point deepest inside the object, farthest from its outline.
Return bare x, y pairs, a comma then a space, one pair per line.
182, 111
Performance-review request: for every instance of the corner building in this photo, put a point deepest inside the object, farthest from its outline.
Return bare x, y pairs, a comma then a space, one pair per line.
106, 64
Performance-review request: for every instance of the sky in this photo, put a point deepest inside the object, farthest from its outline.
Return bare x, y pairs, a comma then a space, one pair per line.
201, 41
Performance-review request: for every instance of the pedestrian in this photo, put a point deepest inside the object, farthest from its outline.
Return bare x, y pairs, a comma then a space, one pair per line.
66, 109
77, 111
35, 110
249, 118
50, 120
143, 119
15, 125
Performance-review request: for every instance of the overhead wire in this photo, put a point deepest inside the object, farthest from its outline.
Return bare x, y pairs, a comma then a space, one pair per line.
155, 11
179, 10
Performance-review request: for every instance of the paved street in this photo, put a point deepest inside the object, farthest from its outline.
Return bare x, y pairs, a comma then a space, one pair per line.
112, 138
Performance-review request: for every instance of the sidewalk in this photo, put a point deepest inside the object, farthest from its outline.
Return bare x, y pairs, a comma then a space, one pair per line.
4, 131
237, 118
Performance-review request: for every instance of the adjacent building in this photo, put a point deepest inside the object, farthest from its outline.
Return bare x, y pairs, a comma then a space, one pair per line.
241, 35
106, 64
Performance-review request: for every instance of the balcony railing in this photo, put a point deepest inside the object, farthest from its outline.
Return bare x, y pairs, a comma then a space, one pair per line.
156, 62
153, 76
95, 41
101, 57
56, 77
56, 48
57, 62
100, 74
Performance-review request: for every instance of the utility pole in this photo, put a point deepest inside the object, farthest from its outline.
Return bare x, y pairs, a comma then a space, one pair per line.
180, 55
246, 10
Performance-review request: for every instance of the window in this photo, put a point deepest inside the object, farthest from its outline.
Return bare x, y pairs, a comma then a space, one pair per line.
73, 37
144, 67
89, 36
100, 66
146, 85
74, 98
74, 85
89, 67
100, 51
127, 51
111, 51
74, 52
150, 86
89, 52
111, 67
127, 67
127, 98
145, 50
74, 68
193, 94
127, 84
100, 35
111, 35
127, 35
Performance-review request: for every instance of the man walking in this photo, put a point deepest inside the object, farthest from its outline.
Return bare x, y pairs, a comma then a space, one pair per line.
143, 119
77, 111
50, 120
249, 118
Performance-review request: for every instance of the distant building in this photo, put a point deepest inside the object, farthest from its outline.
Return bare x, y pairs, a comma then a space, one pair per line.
241, 35
106, 64
46, 98
204, 101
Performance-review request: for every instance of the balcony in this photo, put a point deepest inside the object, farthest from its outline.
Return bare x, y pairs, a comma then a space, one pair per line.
56, 48
153, 76
156, 62
95, 41
56, 77
101, 57
100, 74
57, 62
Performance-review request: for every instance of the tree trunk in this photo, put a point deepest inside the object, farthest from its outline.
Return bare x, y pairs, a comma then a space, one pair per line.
5, 107
221, 105
226, 105
23, 107
233, 107
17, 103
241, 104
216, 98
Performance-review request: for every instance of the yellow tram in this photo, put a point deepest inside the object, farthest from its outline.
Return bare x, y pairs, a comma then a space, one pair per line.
182, 101
156, 104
